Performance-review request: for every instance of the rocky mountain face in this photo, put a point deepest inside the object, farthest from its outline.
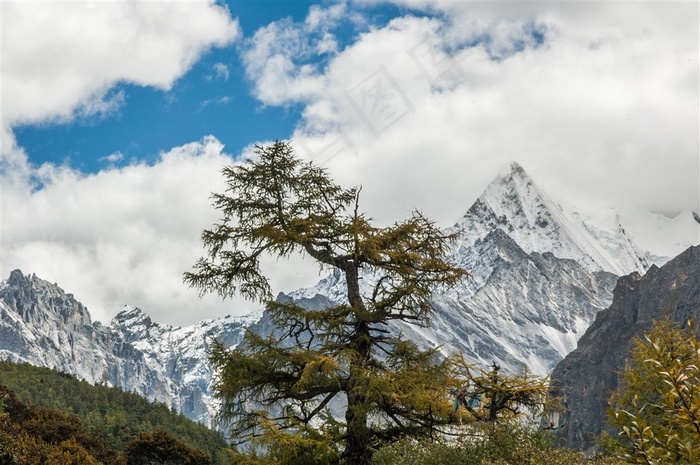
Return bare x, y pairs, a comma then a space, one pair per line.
42, 325
585, 378
540, 274
530, 310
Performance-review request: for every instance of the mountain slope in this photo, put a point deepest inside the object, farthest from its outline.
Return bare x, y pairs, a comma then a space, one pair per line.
586, 376
533, 307
42, 325
117, 415
529, 309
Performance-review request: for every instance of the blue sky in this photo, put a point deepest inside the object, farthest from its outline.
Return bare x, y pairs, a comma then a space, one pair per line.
149, 120
117, 118
202, 101
213, 97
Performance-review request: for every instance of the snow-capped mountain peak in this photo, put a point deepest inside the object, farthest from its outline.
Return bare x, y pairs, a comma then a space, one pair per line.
602, 240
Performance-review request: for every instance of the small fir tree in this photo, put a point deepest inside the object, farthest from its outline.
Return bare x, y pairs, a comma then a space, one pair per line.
489, 395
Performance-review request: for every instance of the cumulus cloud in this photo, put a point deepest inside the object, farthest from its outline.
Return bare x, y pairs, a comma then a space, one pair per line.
125, 235
282, 59
598, 102
62, 58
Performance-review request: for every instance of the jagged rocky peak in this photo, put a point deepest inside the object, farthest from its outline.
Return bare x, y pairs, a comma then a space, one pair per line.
18, 281
134, 324
601, 240
516, 168
512, 201
17, 278
515, 204
131, 316
513, 177
37, 300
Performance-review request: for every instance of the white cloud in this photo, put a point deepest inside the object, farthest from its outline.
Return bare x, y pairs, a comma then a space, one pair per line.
324, 18
221, 71
113, 157
104, 105
222, 100
13, 160
598, 102
126, 235
281, 59
62, 58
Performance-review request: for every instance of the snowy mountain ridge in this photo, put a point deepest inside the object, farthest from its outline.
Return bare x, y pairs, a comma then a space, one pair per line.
607, 239
42, 325
602, 240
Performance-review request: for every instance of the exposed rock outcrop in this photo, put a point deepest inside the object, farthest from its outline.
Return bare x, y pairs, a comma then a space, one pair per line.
586, 377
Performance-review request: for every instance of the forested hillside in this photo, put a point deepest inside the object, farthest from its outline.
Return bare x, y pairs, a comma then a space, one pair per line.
35, 400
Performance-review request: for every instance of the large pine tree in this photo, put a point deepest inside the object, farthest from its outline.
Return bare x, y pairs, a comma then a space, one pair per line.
276, 388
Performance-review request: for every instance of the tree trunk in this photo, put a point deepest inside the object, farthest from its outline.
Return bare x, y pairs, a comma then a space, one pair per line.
493, 407
357, 443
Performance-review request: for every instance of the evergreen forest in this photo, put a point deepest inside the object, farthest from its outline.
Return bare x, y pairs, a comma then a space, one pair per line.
57, 409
